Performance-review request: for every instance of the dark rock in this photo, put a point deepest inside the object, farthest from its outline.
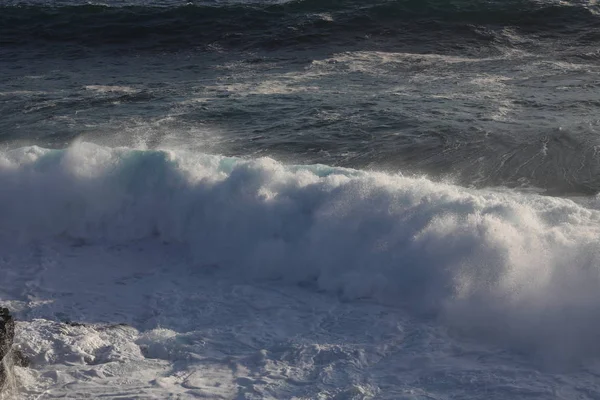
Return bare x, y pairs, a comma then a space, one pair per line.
7, 332
8, 356
7, 335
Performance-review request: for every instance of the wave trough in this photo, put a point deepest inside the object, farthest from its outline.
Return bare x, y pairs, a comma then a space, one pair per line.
269, 25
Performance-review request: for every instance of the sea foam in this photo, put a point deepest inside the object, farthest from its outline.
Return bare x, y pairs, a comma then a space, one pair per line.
522, 269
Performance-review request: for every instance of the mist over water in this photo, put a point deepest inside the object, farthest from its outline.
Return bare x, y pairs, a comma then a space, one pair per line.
301, 199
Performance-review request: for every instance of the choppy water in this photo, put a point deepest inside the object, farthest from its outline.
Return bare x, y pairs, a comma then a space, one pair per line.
484, 93
386, 199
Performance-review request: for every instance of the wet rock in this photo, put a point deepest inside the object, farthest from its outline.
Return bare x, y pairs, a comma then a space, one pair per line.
8, 356
7, 335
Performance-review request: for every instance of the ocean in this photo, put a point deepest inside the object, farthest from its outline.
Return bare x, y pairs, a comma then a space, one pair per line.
305, 199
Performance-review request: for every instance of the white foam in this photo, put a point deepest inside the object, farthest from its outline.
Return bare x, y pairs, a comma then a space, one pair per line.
521, 268
111, 89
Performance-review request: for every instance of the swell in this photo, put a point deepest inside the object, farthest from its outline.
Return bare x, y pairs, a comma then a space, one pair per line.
268, 25
522, 269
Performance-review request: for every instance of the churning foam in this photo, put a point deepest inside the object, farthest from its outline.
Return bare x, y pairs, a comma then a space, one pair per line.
522, 268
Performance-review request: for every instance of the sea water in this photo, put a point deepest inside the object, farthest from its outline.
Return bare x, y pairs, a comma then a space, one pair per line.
304, 199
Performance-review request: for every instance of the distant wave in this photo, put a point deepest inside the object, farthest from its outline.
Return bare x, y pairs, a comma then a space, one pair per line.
524, 269
272, 25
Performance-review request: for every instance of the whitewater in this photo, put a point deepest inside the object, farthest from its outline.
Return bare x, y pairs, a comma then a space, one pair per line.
169, 274
331, 199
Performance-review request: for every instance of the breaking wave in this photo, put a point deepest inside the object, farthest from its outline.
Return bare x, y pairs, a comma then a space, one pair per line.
522, 268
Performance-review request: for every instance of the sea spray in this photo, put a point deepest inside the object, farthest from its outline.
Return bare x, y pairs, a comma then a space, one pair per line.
499, 263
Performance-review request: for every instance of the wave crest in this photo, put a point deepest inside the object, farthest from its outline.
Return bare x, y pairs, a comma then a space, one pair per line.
524, 269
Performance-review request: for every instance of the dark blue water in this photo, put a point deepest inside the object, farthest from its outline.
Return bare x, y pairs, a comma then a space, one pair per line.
484, 93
